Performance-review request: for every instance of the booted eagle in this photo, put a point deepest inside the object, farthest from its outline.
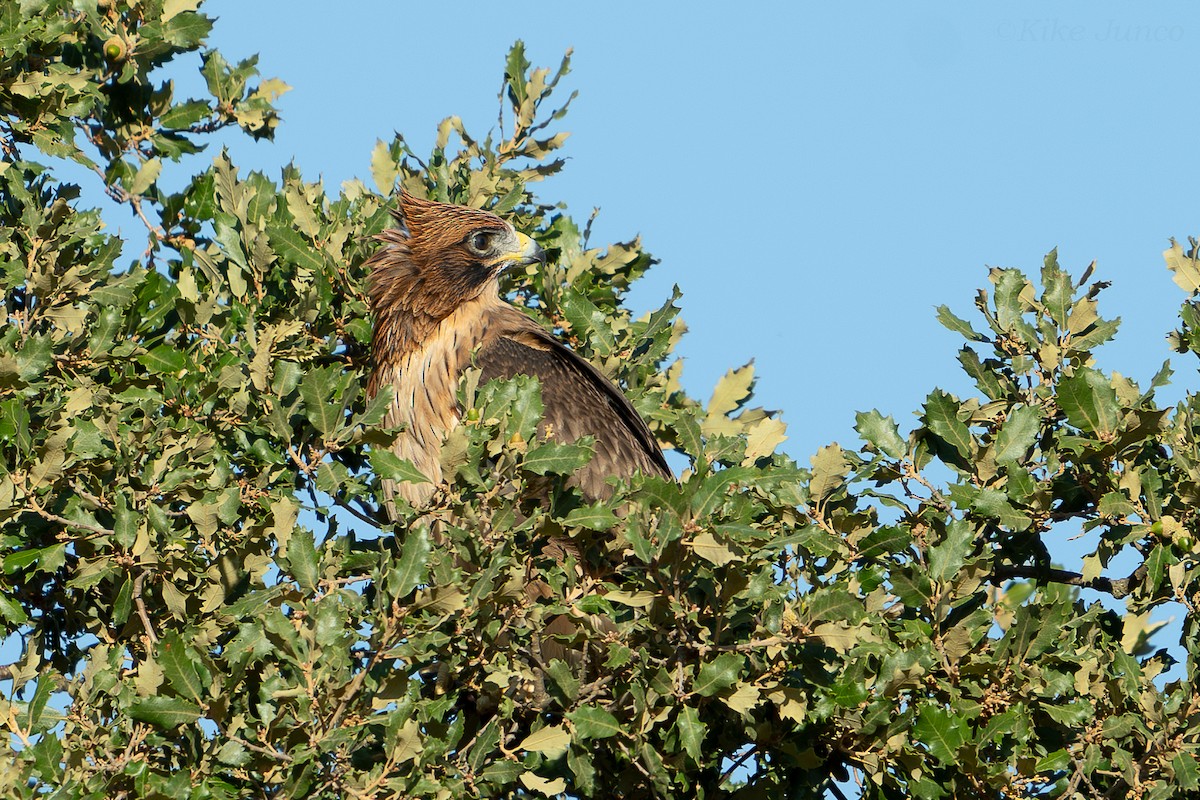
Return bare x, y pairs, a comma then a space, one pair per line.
435, 298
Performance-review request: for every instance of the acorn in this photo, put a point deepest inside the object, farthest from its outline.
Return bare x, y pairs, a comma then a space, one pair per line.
115, 49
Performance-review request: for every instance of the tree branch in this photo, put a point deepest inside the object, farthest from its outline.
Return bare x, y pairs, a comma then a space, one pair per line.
1117, 587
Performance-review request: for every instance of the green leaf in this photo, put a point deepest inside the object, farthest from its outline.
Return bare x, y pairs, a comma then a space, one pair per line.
123, 604
147, 174
322, 408
302, 558
1019, 432
713, 490
884, 541
691, 732
707, 547
551, 741
588, 322
1187, 773
596, 517
560, 459
592, 722
410, 570
720, 673
941, 731
880, 432
1053, 762
829, 470
958, 325
1090, 402
941, 417
514, 72
125, 522
41, 695
179, 667
389, 466
947, 557
293, 248
185, 114
834, 603
731, 392
1058, 292
165, 712
163, 360
186, 29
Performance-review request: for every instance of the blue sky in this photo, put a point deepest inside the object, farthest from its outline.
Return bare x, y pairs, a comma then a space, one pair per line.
816, 178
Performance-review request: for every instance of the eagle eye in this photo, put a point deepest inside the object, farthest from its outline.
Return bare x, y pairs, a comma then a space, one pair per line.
480, 242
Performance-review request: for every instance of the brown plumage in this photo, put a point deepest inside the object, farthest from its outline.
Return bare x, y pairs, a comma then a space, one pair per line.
435, 298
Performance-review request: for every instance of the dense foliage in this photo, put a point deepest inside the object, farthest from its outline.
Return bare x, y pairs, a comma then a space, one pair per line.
200, 602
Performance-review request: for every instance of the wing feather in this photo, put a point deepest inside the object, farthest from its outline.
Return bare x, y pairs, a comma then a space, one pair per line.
579, 401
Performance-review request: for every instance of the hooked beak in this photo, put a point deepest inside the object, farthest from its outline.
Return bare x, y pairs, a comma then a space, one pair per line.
526, 252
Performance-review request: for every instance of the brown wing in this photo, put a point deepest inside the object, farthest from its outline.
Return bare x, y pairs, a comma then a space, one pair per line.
579, 401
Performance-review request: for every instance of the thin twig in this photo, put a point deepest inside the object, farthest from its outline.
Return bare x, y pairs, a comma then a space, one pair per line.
141, 608
87, 526
345, 505
729, 771
258, 748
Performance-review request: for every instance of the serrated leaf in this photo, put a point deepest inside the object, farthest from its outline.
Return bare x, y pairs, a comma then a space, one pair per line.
1090, 402
763, 437
834, 603
186, 29
588, 322
1058, 293
941, 417
1185, 269
389, 466
880, 432
743, 700
163, 360
720, 673
384, 169
41, 696
713, 490
731, 392
691, 732
958, 325
302, 558
409, 571
323, 410
592, 722
947, 557
829, 470
1052, 762
293, 248
178, 667
1017, 435
165, 712
560, 459
941, 732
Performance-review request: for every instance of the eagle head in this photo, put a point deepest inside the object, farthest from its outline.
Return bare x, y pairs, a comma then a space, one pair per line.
441, 256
